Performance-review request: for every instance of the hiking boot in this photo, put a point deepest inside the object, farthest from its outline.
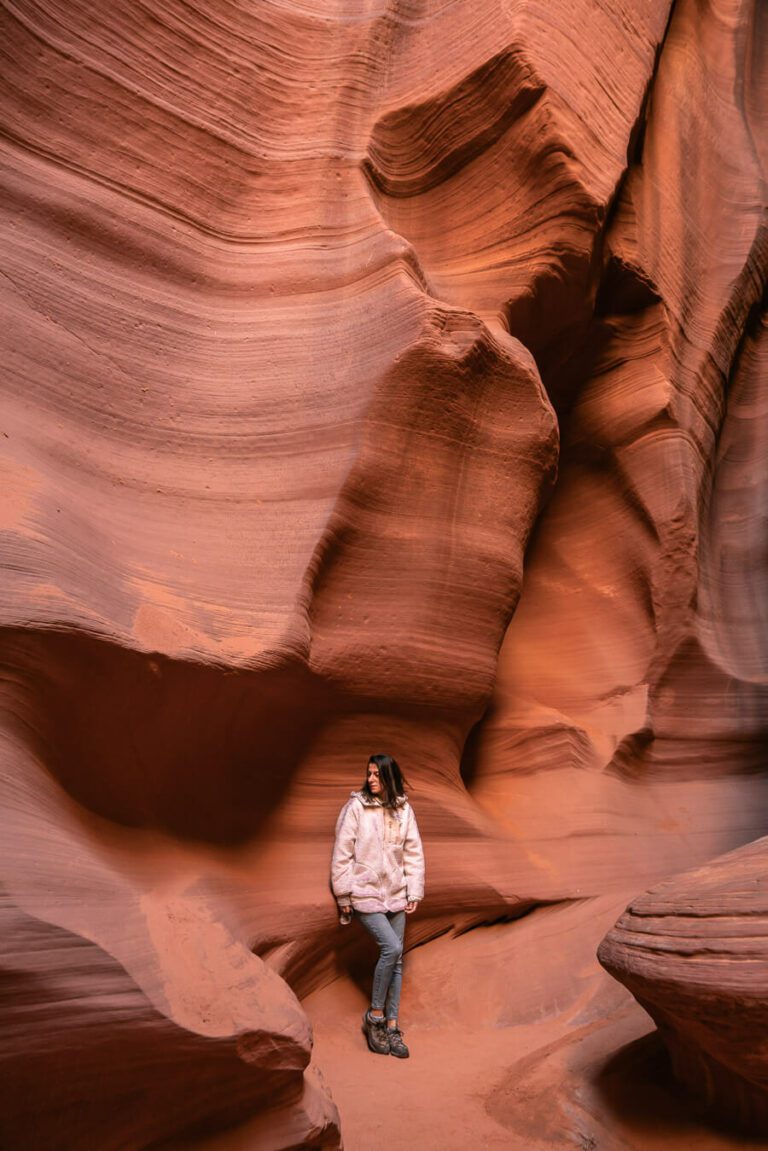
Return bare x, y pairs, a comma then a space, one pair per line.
396, 1045
376, 1034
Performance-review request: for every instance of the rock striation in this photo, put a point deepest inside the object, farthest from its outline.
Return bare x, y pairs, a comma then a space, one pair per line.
84, 1035
693, 952
613, 669
381, 376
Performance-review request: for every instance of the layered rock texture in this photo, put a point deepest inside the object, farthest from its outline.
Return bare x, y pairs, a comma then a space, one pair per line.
379, 376
694, 951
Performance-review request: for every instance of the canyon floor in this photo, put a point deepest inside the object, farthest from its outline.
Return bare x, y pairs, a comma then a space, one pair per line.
577, 1067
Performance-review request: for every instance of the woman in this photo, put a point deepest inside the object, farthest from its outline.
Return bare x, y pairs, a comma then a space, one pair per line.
377, 870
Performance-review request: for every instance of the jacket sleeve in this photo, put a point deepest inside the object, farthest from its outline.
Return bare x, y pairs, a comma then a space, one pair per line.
413, 860
343, 859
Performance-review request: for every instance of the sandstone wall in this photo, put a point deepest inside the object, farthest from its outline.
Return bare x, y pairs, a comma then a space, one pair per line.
376, 377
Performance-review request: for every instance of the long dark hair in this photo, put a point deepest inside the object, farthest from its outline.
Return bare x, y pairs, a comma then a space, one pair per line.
390, 776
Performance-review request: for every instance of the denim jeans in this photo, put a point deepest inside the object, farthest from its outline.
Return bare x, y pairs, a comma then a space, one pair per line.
388, 929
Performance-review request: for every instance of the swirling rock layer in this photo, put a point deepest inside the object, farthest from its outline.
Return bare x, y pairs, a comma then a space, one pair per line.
80, 1030
693, 952
370, 381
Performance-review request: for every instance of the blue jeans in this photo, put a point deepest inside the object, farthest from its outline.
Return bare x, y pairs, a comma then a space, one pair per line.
388, 929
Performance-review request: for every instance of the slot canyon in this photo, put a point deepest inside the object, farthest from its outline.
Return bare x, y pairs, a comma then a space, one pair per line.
384, 376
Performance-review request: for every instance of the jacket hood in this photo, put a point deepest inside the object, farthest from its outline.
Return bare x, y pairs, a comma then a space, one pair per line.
372, 801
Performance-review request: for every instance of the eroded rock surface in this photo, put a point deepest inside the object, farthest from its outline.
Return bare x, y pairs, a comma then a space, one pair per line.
693, 951
119, 1071
375, 377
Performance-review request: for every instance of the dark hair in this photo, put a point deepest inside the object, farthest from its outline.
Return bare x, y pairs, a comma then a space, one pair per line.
391, 778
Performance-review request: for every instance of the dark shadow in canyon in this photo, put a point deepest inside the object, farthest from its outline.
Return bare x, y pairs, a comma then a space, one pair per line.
200, 751
638, 1090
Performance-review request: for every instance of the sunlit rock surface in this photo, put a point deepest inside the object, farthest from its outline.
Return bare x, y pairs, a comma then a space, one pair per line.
119, 1067
383, 377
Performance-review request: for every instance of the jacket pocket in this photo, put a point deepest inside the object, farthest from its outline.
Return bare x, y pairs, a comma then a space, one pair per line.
364, 879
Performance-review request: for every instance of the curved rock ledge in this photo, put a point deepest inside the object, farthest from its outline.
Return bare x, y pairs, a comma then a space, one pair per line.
77, 1028
694, 951
371, 380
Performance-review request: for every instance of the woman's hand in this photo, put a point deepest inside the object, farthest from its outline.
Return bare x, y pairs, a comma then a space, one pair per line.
345, 908
411, 906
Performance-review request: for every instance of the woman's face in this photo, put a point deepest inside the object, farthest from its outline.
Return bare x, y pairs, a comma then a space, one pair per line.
374, 783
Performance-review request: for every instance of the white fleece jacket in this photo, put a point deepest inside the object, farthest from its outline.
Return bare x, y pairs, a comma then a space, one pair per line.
378, 860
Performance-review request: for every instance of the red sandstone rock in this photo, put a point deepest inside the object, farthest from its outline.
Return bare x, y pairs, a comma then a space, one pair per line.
117, 1070
298, 301
612, 664
693, 951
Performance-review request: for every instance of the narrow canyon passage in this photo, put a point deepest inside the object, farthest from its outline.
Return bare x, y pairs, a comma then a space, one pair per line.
380, 376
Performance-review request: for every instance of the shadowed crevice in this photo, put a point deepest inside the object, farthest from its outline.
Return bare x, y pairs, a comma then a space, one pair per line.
201, 751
